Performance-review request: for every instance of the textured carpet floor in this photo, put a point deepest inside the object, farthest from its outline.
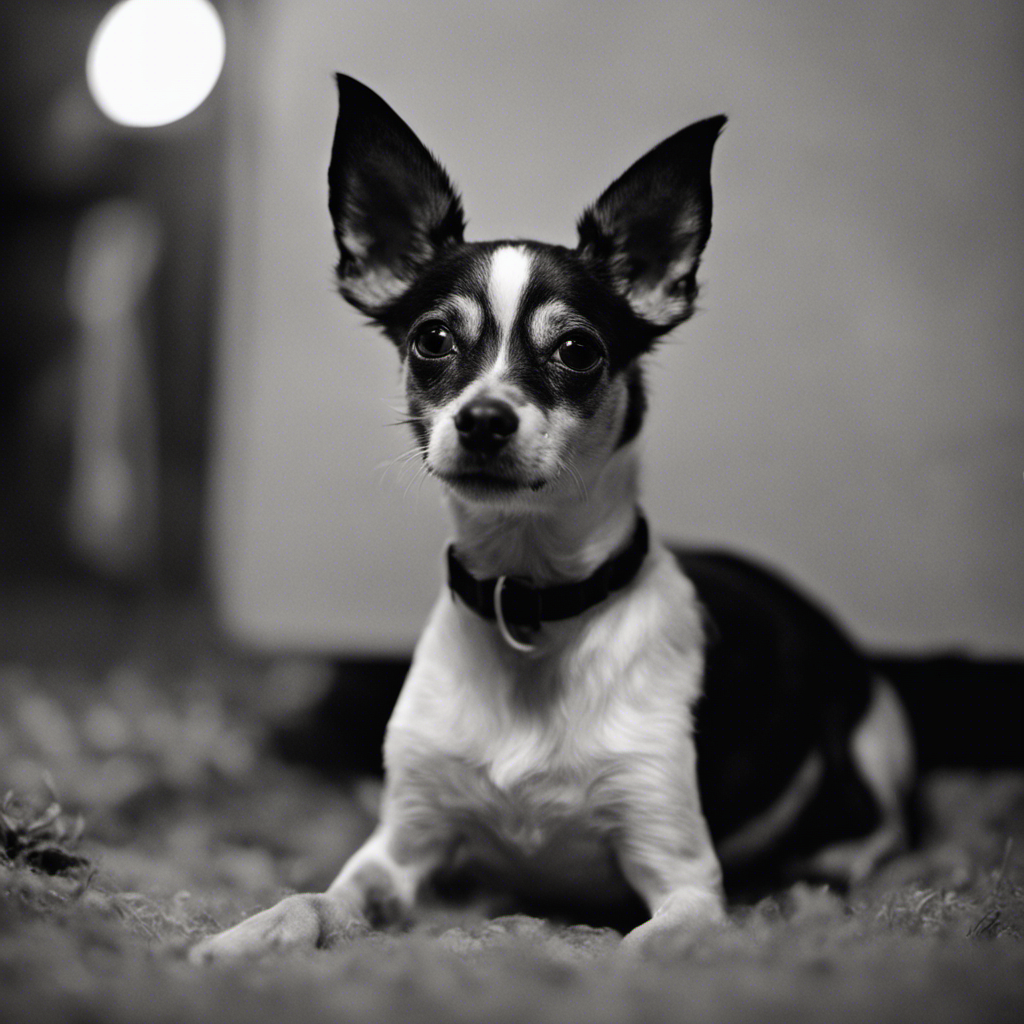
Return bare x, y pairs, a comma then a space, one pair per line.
144, 812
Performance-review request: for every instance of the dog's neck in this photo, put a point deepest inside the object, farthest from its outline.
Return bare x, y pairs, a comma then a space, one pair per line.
562, 543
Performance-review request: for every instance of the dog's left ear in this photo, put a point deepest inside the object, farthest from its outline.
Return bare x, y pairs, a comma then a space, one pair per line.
648, 229
393, 206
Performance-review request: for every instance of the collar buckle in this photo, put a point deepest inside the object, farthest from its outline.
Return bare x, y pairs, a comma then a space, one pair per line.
513, 602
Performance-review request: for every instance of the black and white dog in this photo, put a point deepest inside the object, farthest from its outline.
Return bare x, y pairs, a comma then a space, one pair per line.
592, 717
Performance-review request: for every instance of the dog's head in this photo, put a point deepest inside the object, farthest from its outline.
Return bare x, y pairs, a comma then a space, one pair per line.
521, 359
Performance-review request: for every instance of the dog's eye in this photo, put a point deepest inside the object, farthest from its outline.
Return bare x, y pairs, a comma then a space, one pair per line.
433, 340
578, 353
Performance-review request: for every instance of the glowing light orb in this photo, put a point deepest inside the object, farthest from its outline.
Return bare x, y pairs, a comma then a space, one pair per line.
152, 62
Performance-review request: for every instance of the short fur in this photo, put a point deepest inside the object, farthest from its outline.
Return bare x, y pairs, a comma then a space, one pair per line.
592, 764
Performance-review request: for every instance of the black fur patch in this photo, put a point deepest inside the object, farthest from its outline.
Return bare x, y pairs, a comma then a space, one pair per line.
386, 190
556, 273
649, 227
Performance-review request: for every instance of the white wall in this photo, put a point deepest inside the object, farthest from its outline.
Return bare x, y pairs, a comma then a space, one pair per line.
848, 404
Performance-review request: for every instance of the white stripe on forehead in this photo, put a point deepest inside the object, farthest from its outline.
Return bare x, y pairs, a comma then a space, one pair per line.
510, 270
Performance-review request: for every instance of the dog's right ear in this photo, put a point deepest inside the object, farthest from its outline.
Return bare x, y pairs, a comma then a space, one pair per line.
392, 204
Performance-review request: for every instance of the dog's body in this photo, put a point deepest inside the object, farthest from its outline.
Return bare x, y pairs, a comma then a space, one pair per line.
546, 730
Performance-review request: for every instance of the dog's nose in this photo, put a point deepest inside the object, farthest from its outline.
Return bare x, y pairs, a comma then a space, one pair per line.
485, 424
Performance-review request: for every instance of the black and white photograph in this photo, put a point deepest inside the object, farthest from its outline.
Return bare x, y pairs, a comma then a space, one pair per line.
512, 513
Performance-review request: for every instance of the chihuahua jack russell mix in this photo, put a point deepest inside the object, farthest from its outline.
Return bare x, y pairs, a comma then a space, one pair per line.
592, 719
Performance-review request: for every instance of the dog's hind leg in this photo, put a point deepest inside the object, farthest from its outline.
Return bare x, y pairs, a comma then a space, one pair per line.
882, 750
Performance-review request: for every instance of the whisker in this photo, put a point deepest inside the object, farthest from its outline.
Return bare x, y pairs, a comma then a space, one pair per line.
577, 478
399, 461
401, 408
409, 453
418, 478
405, 417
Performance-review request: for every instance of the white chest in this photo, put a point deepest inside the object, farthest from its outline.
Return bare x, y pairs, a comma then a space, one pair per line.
547, 831
529, 762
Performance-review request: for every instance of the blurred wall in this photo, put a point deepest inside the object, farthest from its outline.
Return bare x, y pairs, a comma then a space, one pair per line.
848, 403
108, 259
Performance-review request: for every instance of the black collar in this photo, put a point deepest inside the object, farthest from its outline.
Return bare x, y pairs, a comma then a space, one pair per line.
525, 605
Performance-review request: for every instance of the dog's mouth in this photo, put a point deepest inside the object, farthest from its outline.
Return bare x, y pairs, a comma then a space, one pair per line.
483, 484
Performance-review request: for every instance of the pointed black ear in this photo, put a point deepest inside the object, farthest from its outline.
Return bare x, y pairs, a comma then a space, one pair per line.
392, 204
649, 227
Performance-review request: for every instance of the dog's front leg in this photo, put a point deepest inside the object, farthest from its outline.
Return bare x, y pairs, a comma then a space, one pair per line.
377, 886
665, 852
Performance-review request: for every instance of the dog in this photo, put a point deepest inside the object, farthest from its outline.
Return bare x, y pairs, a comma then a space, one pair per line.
590, 720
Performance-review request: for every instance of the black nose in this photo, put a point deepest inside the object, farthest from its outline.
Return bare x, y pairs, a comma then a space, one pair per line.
485, 424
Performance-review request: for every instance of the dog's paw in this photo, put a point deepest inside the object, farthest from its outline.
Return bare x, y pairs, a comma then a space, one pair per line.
685, 919
299, 923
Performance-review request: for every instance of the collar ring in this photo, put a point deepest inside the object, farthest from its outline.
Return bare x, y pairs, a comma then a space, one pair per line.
499, 614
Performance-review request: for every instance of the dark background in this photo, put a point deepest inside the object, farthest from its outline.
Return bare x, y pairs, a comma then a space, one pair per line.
59, 160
